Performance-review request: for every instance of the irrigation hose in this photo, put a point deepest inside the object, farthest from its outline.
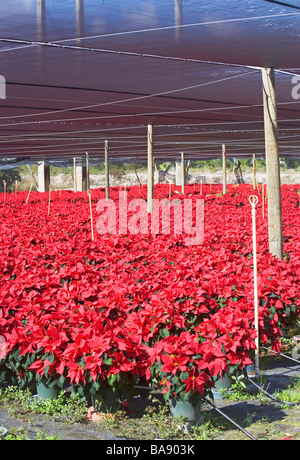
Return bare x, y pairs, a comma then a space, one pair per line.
269, 395
284, 356
230, 420
273, 398
217, 410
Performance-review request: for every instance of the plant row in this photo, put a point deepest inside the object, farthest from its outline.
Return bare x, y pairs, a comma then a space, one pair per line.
124, 310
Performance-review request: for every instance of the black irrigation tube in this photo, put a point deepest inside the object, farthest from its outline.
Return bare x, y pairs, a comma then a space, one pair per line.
217, 410
230, 420
261, 389
273, 398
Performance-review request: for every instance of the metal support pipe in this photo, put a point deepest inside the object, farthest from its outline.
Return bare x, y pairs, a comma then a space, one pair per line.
41, 20
254, 172
150, 170
80, 18
107, 194
75, 174
178, 20
224, 170
87, 172
182, 173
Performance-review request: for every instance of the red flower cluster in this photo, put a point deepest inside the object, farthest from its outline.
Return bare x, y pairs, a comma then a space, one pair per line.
129, 308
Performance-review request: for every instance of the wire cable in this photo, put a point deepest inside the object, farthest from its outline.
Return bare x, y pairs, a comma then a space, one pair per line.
182, 26
58, 45
138, 98
276, 2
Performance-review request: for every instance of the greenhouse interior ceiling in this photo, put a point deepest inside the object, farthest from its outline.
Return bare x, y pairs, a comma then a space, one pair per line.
76, 73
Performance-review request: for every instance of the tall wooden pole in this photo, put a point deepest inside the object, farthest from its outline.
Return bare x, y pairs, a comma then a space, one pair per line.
107, 170
81, 177
224, 169
273, 164
150, 170
182, 173
44, 176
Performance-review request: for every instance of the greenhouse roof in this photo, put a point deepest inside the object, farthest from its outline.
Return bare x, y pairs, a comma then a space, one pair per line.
82, 71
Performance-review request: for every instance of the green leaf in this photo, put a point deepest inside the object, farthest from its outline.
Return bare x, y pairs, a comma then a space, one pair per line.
164, 333
184, 375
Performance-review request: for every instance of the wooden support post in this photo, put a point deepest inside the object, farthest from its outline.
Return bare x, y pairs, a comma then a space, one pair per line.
224, 170
44, 177
273, 164
150, 170
81, 178
182, 173
107, 194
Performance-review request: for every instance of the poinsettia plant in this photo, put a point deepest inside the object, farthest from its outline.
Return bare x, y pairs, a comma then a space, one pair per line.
128, 308
191, 362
